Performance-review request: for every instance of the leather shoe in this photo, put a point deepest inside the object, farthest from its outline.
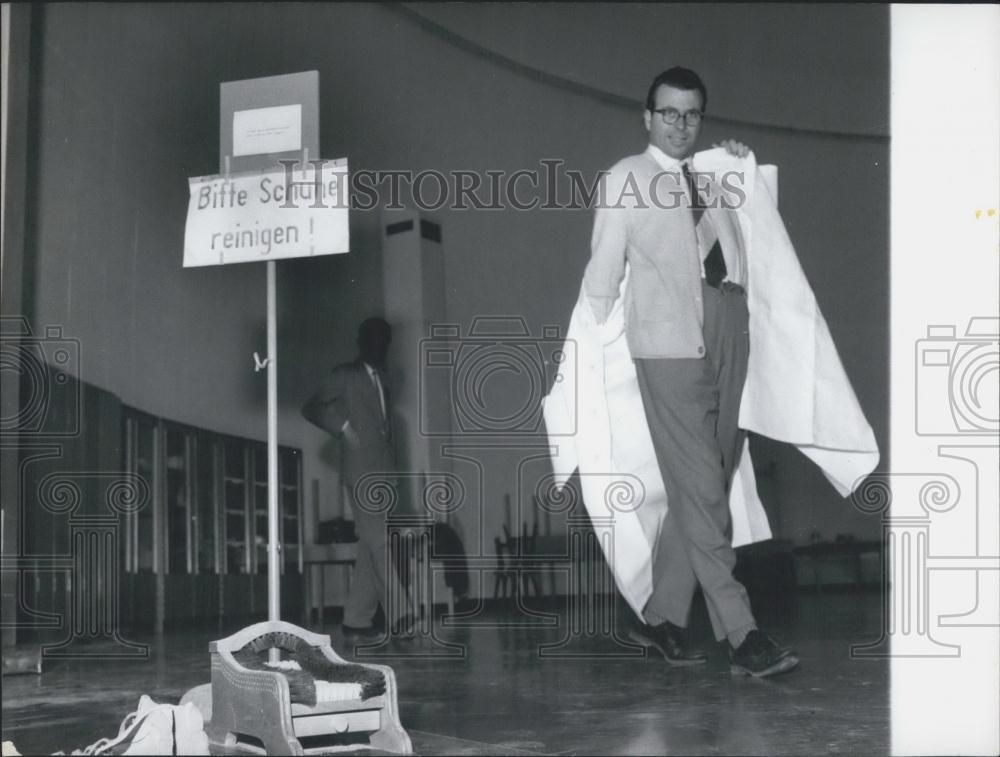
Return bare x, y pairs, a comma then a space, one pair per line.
669, 640
760, 655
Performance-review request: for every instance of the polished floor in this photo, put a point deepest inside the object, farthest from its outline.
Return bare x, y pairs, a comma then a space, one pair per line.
534, 682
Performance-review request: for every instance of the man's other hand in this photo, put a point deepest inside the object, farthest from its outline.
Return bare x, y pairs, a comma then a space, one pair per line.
734, 148
351, 438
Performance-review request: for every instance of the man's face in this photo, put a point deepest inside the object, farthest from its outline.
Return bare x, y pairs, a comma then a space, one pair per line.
677, 139
373, 346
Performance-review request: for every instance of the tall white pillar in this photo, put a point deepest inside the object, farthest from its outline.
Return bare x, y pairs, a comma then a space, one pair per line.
414, 292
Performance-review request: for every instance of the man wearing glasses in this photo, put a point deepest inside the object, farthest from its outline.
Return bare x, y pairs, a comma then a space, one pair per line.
687, 331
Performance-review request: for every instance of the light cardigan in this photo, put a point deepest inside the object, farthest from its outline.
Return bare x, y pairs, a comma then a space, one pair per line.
796, 391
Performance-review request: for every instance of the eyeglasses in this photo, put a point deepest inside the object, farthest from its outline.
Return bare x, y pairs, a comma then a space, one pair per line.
672, 116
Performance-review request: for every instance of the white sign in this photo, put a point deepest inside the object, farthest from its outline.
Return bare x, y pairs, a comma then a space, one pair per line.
268, 215
267, 130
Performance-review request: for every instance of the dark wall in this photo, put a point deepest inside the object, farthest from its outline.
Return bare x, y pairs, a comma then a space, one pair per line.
128, 109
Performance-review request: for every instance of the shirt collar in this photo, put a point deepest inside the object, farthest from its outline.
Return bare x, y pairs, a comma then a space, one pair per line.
665, 161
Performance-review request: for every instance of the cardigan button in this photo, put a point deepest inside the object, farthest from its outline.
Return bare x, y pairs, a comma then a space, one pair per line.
701, 350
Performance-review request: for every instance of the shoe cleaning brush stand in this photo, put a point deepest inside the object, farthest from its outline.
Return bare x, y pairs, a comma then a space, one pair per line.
277, 688
310, 702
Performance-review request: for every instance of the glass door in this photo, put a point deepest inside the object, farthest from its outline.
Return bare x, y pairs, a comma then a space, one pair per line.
236, 495
258, 453
289, 496
177, 497
141, 448
207, 477
290, 503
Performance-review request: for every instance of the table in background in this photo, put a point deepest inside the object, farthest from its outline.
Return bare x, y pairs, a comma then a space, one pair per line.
344, 554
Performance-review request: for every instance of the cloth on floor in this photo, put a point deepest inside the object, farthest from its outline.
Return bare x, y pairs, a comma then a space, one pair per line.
155, 729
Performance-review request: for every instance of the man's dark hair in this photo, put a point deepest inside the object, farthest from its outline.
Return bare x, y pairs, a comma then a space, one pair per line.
375, 327
679, 78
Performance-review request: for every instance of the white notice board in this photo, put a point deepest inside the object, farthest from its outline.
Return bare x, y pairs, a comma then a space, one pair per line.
268, 215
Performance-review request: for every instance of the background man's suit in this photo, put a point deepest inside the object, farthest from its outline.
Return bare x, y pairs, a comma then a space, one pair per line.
350, 394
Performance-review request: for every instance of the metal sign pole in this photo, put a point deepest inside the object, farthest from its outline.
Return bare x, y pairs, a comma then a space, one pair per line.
273, 515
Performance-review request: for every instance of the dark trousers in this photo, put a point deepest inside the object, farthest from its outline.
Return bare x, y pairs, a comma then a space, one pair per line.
692, 407
374, 580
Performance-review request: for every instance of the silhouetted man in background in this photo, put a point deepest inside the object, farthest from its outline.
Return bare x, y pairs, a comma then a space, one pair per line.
354, 405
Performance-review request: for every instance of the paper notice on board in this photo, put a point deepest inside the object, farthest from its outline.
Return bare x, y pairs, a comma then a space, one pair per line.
260, 131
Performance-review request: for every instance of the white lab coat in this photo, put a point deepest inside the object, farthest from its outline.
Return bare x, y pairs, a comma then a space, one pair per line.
796, 391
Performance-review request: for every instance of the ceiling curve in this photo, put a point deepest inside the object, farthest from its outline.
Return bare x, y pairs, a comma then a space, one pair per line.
802, 67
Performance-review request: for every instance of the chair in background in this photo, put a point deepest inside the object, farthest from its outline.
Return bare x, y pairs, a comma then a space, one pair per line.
530, 576
505, 581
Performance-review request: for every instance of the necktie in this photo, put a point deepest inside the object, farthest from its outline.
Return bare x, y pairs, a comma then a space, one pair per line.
381, 394
715, 262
